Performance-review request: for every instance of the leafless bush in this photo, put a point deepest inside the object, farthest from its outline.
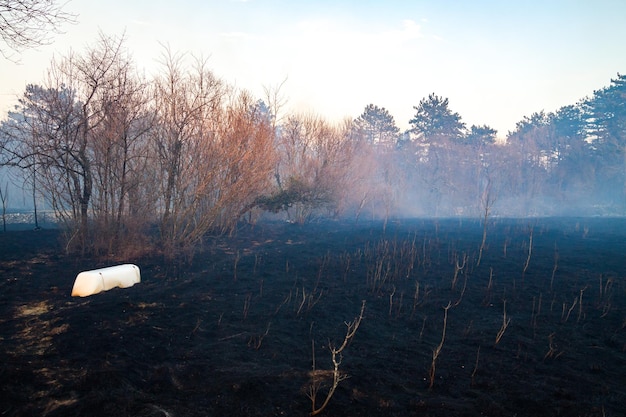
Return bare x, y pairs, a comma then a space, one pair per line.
458, 267
530, 250
505, 323
213, 150
437, 350
336, 374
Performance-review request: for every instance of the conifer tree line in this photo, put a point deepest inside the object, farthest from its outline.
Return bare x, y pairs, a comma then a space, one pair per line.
130, 162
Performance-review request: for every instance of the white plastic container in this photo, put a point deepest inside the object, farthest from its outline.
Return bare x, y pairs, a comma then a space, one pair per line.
98, 280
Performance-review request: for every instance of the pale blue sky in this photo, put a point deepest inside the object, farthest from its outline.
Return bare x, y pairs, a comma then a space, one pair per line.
496, 61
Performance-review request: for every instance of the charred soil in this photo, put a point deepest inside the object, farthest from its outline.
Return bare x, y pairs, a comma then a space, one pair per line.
538, 328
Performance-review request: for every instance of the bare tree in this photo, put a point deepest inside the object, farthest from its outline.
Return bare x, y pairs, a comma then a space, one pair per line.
313, 170
4, 196
334, 154
33, 187
214, 153
487, 199
228, 169
186, 105
247, 158
57, 129
43, 137
298, 192
362, 192
275, 101
28, 24
120, 208
430, 167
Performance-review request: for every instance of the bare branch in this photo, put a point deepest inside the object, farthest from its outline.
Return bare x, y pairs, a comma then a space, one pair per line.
26, 24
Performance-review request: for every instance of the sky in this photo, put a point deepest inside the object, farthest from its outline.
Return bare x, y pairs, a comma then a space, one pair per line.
496, 61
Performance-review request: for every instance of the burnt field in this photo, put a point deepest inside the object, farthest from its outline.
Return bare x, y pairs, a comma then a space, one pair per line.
536, 328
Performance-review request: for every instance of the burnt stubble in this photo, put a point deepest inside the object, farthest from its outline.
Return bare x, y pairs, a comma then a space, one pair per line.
247, 326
